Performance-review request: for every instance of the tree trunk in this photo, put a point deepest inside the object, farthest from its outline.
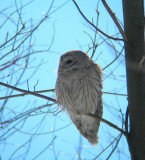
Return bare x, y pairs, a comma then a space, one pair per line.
135, 70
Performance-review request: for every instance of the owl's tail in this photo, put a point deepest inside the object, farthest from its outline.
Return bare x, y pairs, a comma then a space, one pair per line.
87, 126
90, 129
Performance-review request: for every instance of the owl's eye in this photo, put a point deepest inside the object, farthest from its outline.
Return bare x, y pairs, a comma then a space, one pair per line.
69, 62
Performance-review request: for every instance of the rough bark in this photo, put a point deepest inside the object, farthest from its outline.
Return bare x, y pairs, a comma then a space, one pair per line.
135, 70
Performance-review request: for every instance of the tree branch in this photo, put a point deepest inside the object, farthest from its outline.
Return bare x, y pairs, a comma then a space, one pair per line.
24, 94
114, 147
28, 92
114, 19
52, 90
94, 25
107, 122
119, 136
12, 37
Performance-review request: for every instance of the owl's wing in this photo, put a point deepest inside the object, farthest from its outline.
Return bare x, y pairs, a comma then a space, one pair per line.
98, 71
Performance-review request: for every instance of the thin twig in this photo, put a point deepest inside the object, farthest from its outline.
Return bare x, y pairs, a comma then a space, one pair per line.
12, 63
107, 122
13, 36
107, 147
94, 25
114, 147
114, 59
117, 94
24, 94
25, 114
28, 92
45, 148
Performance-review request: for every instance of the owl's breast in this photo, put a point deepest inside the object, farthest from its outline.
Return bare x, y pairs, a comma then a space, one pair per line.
83, 96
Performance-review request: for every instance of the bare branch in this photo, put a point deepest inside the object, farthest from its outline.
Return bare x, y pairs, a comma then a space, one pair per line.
45, 148
114, 19
52, 90
28, 92
13, 37
12, 63
114, 147
94, 25
108, 146
24, 115
117, 94
24, 94
114, 59
107, 122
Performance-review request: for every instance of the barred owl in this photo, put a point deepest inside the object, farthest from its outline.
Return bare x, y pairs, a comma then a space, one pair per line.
79, 90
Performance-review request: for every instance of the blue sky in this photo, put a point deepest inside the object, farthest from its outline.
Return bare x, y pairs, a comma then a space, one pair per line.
69, 31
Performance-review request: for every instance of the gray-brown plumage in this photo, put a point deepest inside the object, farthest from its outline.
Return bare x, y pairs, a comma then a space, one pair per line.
79, 90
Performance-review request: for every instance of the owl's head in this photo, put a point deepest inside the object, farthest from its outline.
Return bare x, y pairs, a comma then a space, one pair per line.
74, 63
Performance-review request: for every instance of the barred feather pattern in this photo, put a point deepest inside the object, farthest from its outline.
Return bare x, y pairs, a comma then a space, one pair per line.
79, 91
